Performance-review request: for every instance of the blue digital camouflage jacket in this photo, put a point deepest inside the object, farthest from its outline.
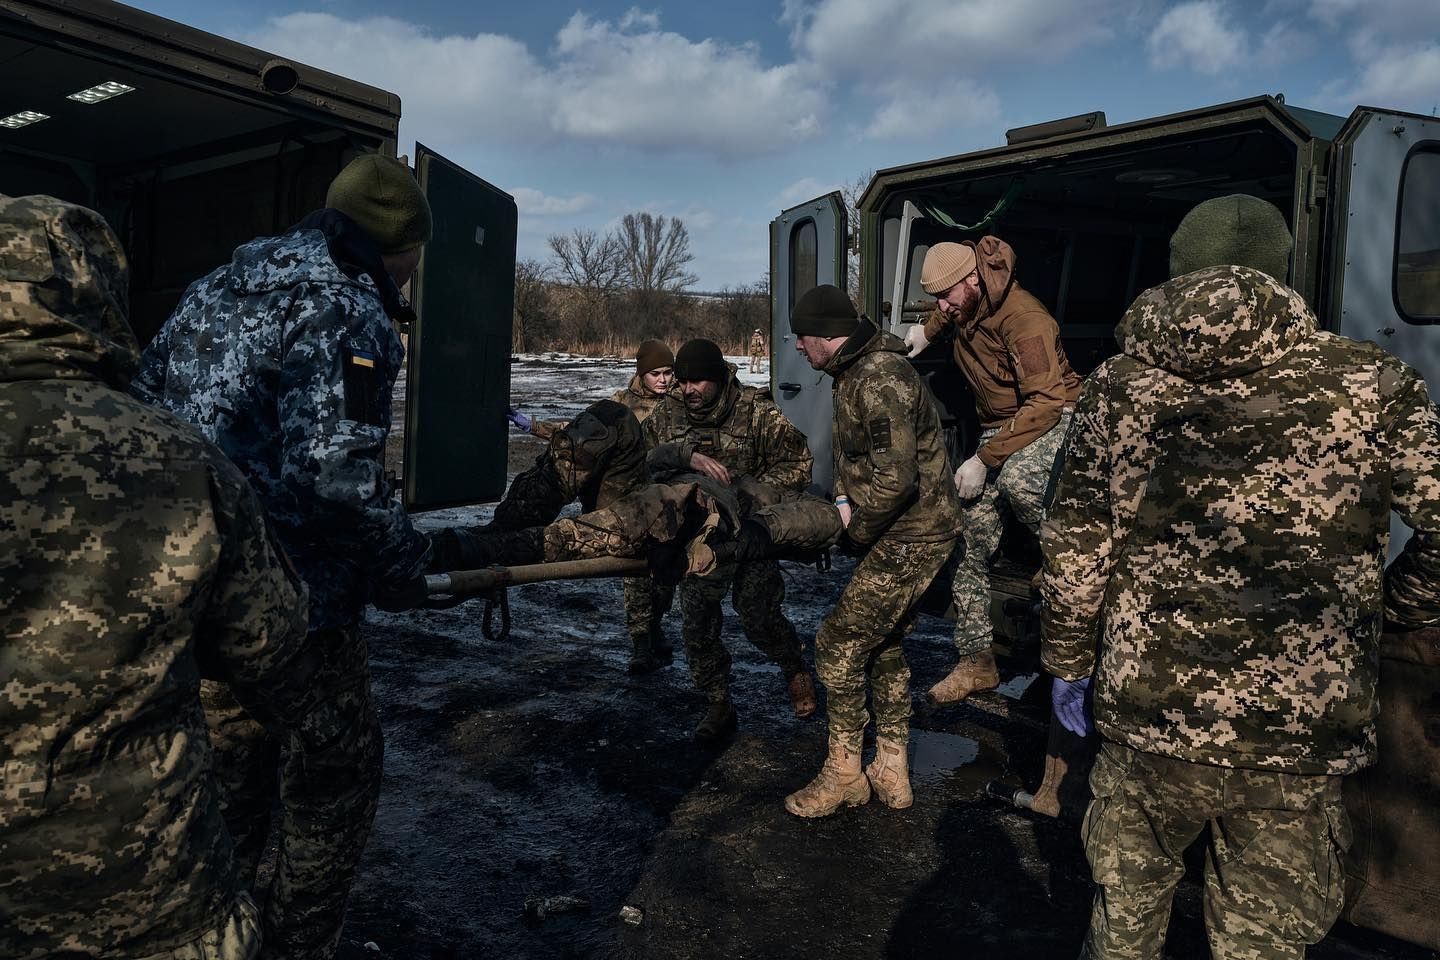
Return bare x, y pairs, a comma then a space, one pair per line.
287, 364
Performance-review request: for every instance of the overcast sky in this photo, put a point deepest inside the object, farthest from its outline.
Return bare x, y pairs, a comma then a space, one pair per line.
724, 113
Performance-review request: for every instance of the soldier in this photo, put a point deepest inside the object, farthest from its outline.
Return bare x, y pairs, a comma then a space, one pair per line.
715, 426
285, 358
757, 350
901, 516
1214, 557
133, 556
1008, 346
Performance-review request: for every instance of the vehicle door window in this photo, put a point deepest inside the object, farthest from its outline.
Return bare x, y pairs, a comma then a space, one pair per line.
1417, 241
804, 260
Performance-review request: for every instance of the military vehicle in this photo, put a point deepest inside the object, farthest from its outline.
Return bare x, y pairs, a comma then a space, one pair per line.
1089, 209
191, 144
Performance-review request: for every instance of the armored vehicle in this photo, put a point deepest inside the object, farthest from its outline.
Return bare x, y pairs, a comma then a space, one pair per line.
1089, 209
191, 144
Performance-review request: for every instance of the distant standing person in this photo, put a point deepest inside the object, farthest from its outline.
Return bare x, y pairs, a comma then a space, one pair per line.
1215, 560
902, 517
757, 350
1008, 347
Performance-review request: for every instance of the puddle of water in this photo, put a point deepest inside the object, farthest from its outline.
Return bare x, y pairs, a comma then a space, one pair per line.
933, 755
1015, 687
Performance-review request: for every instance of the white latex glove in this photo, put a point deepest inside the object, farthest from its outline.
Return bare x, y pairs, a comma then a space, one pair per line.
843, 506
970, 478
915, 338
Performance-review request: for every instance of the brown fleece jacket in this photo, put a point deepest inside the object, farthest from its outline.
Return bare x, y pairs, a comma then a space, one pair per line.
1011, 354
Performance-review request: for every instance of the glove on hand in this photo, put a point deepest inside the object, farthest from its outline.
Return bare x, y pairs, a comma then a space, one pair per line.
398, 597
752, 541
970, 478
1072, 705
915, 338
518, 418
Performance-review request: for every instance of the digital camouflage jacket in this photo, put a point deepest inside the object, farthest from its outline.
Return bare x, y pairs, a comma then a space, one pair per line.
744, 430
133, 557
889, 449
1215, 550
287, 364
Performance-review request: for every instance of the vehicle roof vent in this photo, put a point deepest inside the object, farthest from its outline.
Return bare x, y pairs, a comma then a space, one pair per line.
1055, 128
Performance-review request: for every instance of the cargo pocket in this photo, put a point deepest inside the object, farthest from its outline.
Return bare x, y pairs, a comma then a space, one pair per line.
1100, 829
1330, 868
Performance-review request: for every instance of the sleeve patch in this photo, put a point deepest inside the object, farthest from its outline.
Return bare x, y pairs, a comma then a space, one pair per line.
880, 434
362, 388
1034, 358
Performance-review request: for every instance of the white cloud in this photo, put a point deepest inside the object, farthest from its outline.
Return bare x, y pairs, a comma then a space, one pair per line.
801, 190
1199, 35
904, 116
629, 85
1284, 43
917, 37
1403, 77
536, 203
1372, 30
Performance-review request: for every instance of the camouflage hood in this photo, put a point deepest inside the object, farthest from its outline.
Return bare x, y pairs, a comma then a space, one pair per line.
866, 339
280, 263
64, 290
1215, 324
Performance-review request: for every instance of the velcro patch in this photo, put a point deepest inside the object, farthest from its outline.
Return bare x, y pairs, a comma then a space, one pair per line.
880, 434
362, 388
1033, 356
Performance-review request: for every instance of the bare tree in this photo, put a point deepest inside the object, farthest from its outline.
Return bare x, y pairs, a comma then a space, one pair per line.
656, 253
532, 281
852, 192
585, 258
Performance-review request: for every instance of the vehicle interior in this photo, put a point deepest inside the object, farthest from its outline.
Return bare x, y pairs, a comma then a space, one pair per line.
182, 172
1091, 231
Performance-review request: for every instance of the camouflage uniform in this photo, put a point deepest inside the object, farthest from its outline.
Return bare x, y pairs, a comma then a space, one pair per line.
746, 432
890, 461
132, 557
285, 358
1219, 531
757, 351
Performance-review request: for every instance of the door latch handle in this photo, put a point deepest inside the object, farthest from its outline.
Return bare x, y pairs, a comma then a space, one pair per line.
790, 387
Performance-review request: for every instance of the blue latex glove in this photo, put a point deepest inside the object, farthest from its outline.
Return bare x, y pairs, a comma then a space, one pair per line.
1072, 706
518, 418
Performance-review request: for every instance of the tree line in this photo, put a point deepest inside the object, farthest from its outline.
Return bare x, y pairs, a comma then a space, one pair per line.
603, 293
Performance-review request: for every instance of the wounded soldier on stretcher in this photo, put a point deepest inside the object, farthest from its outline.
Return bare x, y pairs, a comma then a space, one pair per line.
685, 524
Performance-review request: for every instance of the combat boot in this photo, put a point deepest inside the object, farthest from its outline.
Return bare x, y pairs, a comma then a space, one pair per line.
802, 695
889, 774
976, 672
648, 653
718, 723
840, 783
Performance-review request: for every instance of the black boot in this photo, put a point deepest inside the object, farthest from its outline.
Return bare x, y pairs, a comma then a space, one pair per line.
717, 724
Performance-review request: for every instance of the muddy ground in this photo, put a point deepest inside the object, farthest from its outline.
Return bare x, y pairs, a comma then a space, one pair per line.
533, 767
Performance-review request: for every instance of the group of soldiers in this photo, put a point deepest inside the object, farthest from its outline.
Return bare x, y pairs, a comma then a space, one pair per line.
190, 538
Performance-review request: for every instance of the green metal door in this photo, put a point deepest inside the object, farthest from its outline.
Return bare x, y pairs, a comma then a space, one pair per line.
459, 352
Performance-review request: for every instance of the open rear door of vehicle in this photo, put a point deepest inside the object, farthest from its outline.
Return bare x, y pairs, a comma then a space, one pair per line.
459, 352
807, 248
1384, 262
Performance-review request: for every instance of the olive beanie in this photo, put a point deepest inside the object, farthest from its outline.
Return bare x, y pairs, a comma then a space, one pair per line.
382, 197
1239, 230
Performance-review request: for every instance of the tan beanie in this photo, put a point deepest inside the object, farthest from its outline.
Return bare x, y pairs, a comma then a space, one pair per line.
946, 264
652, 355
382, 197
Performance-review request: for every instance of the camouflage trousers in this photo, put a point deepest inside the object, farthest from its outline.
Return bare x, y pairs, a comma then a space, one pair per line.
646, 603
1021, 486
860, 641
1273, 876
596, 458
237, 937
328, 797
758, 590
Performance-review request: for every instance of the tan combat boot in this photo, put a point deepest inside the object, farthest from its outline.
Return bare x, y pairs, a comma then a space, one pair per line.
840, 783
973, 674
889, 774
802, 695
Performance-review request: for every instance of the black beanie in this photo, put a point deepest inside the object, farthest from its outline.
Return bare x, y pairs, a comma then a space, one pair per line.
824, 311
701, 360
1237, 230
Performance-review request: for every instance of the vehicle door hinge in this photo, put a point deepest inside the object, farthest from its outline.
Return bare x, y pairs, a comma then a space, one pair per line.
1317, 188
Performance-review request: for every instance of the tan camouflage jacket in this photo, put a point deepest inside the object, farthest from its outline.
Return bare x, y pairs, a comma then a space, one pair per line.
640, 401
744, 430
133, 558
889, 449
1215, 550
